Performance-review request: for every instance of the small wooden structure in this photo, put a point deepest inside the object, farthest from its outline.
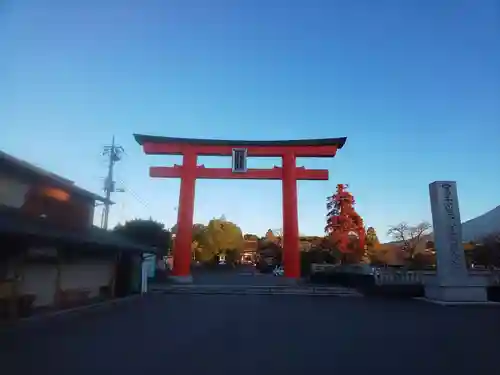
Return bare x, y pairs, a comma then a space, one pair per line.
45, 267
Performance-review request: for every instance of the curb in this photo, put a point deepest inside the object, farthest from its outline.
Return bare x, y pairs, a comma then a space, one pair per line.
258, 290
66, 313
265, 293
456, 303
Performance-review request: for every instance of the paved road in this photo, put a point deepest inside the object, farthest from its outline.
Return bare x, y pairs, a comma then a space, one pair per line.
220, 334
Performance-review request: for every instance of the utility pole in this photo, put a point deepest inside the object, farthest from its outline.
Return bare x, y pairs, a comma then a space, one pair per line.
114, 152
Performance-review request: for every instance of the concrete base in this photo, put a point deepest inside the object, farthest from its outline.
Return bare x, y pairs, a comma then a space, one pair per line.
459, 294
446, 303
181, 279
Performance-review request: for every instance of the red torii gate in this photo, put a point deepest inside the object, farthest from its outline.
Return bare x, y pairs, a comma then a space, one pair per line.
189, 171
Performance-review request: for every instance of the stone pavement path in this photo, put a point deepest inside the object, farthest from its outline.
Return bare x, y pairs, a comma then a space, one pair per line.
257, 334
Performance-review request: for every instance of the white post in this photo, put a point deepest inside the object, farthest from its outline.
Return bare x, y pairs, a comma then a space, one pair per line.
452, 282
144, 276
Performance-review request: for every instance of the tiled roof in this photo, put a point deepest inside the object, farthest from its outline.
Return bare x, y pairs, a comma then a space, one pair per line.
59, 181
14, 223
143, 138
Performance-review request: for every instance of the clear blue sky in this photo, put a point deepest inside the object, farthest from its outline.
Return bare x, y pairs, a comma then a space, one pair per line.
414, 85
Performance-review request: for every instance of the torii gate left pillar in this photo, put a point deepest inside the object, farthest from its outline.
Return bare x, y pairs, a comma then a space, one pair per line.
189, 171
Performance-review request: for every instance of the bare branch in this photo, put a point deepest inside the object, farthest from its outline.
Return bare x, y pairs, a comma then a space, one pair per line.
409, 236
417, 232
399, 232
278, 232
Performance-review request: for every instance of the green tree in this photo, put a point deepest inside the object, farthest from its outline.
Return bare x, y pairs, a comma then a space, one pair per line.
199, 234
199, 231
423, 260
269, 252
487, 253
146, 232
233, 256
203, 255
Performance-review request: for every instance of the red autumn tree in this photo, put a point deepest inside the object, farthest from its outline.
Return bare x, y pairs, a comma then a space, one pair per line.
342, 222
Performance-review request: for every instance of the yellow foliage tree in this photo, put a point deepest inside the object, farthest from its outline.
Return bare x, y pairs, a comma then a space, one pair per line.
371, 238
200, 253
223, 236
374, 252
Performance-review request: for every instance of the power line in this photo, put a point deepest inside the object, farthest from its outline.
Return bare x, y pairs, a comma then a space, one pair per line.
136, 196
114, 152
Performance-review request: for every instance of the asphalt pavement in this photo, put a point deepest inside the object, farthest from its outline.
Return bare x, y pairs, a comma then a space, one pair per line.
253, 334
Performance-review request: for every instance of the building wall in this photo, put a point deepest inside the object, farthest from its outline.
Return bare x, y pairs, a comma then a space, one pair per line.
59, 207
12, 191
38, 198
40, 279
90, 275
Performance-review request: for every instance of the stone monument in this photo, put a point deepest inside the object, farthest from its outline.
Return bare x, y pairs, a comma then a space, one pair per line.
452, 282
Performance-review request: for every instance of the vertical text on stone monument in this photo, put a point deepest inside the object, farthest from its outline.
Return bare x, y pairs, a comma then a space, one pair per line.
453, 233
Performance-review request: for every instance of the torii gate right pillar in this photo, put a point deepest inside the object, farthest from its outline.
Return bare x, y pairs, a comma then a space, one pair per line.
291, 250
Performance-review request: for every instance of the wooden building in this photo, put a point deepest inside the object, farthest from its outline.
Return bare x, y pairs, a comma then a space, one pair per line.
51, 255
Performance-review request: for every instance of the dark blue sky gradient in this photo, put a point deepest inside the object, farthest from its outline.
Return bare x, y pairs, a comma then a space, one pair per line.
414, 85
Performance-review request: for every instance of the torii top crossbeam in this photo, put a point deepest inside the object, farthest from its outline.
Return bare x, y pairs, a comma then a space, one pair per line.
317, 148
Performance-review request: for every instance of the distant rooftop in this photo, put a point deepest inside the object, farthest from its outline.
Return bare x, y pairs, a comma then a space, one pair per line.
59, 181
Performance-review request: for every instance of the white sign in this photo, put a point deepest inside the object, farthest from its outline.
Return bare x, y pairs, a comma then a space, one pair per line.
144, 278
150, 264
